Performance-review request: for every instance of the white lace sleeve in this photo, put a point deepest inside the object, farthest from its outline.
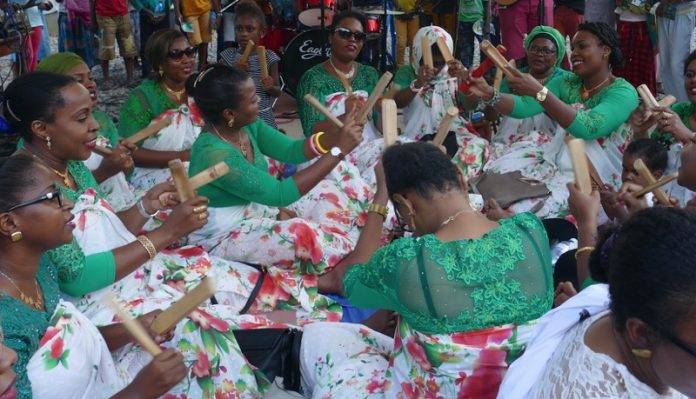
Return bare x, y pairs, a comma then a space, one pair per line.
577, 372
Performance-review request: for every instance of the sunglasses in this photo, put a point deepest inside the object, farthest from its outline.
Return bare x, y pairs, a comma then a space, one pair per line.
46, 197
178, 54
346, 34
541, 50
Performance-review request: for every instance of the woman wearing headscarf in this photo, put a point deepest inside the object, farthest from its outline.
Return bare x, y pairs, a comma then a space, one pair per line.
109, 171
426, 94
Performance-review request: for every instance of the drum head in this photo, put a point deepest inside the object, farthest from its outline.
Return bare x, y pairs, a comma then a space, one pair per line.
312, 17
303, 52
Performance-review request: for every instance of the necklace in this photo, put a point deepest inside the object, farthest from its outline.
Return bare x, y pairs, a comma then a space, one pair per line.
176, 93
348, 75
65, 176
586, 92
36, 303
239, 143
545, 78
451, 218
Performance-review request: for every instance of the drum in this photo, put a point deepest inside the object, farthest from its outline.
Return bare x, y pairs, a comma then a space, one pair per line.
303, 52
277, 39
311, 12
373, 27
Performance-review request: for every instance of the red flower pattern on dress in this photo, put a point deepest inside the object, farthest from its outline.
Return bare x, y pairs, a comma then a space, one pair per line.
50, 333
206, 321
201, 368
417, 352
305, 242
57, 348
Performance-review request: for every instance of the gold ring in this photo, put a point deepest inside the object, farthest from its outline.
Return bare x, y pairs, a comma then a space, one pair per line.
163, 200
123, 155
199, 209
203, 216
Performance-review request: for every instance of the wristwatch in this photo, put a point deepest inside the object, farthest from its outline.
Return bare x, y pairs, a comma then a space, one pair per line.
336, 152
541, 94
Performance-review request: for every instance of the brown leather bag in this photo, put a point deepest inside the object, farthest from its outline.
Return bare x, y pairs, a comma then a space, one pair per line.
508, 188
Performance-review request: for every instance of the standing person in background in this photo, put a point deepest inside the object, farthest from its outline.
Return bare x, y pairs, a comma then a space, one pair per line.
636, 44
439, 13
74, 33
675, 24
567, 15
518, 19
470, 11
406, 27
196, 13
33, 40
111, 20
154, 15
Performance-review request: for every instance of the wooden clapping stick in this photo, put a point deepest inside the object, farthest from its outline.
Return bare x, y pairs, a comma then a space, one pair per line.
576, 148
483, 68
317, 105
389, 129
214, 172
374, 96
649, 180
345, 83
247, 52
445, 123
427, 52
103, 151
392, 91
166, 320
185, 187
134, 328
655, 185
149, 130
650, 100
263, 65
499, 61
444, 50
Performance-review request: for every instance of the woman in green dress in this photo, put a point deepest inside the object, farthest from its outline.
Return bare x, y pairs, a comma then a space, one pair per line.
109, 171
675, 127
590, 104
466, 290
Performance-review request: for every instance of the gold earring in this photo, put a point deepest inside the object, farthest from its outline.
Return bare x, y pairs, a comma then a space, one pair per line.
16, 236
230, 122
642, 353
161, 72
48, 142
413, 221
606, 55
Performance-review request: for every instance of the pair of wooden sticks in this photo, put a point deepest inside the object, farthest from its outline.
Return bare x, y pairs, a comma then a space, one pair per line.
261, 52
139, 136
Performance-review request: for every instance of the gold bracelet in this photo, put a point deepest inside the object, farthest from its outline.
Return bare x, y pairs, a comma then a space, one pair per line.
148, 245
379, 209
318, 144
583, 250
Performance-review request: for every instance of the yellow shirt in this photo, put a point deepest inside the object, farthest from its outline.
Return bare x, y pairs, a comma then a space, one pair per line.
191, 8
406, 5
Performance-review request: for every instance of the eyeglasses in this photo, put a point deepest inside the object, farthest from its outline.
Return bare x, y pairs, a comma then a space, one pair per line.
541, 50
46, 197
346, 34
178, 54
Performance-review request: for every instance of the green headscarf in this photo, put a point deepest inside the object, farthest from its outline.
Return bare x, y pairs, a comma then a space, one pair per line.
553, 34
59, 63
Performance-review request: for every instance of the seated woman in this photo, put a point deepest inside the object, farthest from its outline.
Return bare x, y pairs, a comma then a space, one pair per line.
631, 348
60, 352
109, 171
675, 127
164, 95
109, 256
246, 223
323, 81
466, 289
591, 105
426, 95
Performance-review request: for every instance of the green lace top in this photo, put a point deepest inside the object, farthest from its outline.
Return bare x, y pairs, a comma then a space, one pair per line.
464, 285
142, 105
318, 82
247, 182
603, 113
24, 327
557, 73
684, 110
80, 274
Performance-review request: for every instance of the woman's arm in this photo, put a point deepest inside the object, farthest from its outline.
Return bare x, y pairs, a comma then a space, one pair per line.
585, 208
146, 158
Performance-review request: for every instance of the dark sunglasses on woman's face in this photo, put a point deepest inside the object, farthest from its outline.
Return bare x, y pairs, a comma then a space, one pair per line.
345, 33
178, 54
46, 197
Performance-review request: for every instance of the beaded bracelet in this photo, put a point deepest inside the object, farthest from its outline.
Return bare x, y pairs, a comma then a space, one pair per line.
148, 245
495, 99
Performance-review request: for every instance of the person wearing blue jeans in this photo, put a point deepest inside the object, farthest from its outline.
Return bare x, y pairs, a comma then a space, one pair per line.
470, 12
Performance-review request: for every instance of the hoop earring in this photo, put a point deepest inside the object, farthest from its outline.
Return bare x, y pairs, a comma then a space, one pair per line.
642, 353
48, 142
16, 236
230, 122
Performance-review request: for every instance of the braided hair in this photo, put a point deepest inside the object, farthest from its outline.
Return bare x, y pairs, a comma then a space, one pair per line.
608, 37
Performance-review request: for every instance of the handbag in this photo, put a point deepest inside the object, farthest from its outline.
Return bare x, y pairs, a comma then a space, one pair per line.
508, 188
274, 351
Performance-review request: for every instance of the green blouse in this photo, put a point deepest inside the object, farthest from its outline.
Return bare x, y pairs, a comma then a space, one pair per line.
80, 274
464, 285
24, 327
107, 128
248, 182
142, 105
557, 73
318, 82
684, 110
603, 113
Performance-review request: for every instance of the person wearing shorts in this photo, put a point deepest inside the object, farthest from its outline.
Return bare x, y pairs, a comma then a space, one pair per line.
196, 14
113, 24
